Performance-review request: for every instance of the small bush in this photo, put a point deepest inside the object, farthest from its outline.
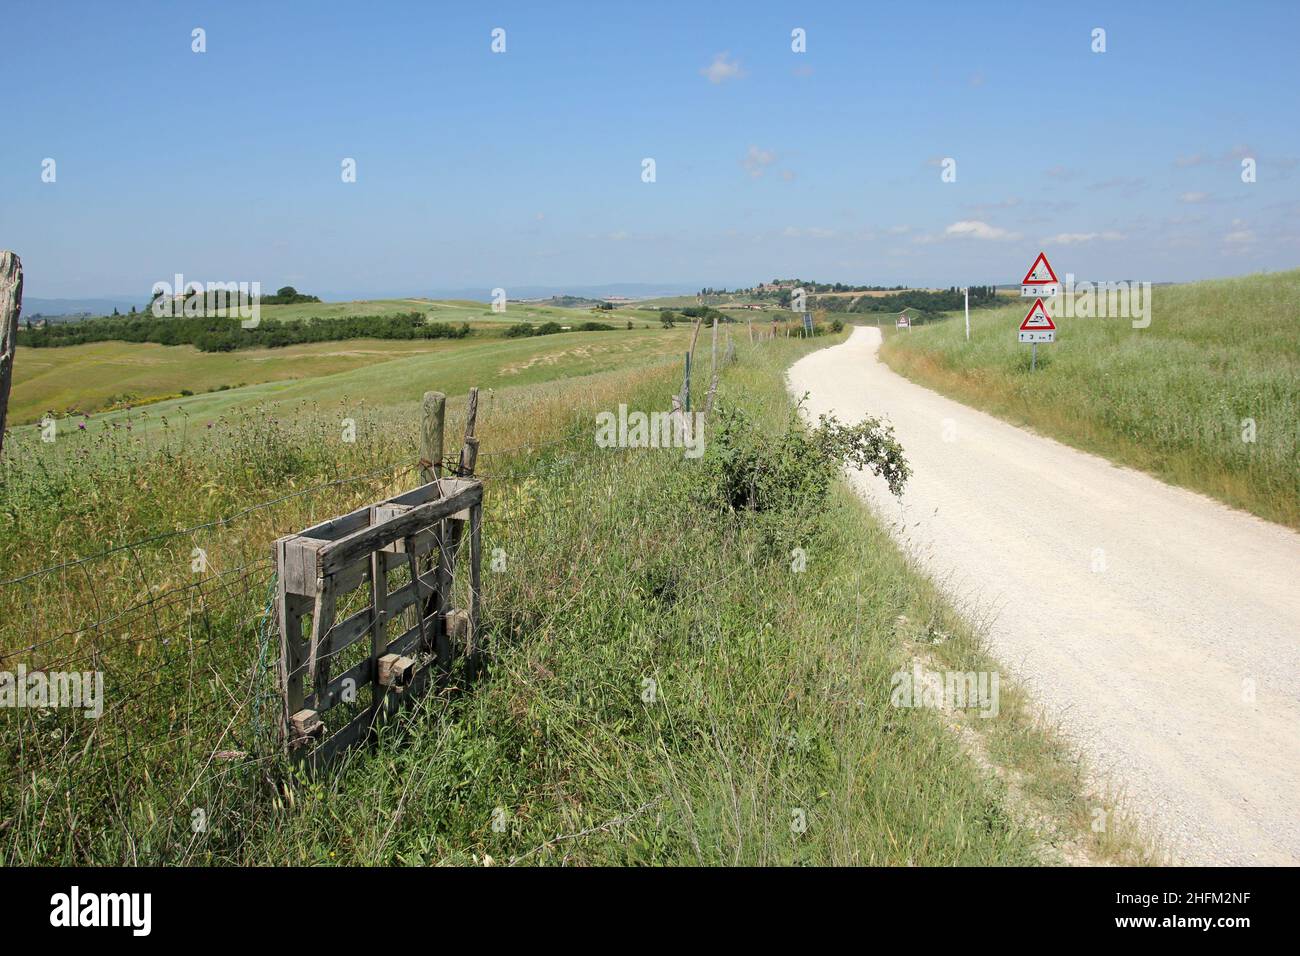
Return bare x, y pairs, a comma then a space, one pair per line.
784, 479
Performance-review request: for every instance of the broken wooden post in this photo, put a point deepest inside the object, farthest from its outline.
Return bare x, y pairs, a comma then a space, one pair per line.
11, 304
469, 449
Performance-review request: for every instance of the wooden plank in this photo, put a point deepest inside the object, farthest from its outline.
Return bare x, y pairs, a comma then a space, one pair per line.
342, 552
322, 622
364, 671
475, 577
347, 632
336, 528
290, 610
11, 306
354, 731
378, 624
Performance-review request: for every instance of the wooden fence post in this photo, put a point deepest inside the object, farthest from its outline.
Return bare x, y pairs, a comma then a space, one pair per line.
686, 384
434, 410
469, 450
11, 304
713, 376
433, 416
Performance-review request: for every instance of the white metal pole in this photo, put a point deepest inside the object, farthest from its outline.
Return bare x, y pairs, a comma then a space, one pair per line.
967, 290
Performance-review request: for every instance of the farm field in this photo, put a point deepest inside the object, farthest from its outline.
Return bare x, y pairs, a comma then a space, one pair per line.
352, 371
436, 310
621, 567
89, 378
1207, 397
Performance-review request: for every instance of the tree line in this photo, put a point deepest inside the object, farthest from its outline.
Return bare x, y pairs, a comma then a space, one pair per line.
218, 334
941, 300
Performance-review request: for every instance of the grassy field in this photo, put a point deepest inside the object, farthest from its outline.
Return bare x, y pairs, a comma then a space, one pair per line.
351, 373
91, 378
770, 738
436, 310
1176, 399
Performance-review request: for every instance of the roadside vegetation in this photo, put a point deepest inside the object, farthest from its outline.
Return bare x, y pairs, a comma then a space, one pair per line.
689, 661
1207, 397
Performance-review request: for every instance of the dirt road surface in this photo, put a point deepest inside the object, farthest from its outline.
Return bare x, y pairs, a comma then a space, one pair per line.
1162, 629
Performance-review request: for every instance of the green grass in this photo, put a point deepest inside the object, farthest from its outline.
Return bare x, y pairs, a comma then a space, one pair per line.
1171, 399
90, 378
772, 686
373, 373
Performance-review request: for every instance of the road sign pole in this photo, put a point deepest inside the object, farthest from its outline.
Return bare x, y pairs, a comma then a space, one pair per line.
1033, 357
967, 291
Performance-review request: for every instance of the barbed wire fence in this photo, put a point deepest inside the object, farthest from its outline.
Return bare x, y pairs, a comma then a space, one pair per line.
192, 703
190, 685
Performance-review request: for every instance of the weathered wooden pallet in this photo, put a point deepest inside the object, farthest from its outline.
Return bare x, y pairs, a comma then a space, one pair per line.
419, 530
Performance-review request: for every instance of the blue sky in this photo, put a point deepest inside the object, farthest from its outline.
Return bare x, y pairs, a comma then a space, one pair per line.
477, 169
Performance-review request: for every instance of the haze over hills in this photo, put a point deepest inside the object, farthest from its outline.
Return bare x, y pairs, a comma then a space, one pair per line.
33, 306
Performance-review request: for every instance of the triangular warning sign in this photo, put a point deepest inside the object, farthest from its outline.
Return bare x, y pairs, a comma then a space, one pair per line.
1037, 318
1040, 273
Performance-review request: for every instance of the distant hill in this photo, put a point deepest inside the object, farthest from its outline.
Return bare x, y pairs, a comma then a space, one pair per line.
570, 302
53, 308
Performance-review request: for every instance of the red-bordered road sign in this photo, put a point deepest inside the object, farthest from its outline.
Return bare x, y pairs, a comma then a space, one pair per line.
1038, 325
1041, 279
1040, 276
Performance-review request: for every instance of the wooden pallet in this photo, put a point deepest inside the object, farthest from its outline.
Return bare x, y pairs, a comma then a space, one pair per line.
420, 531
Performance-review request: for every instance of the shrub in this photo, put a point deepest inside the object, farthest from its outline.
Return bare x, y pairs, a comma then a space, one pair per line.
783, 480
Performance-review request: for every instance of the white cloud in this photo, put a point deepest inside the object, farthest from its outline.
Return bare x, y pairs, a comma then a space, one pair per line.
1071, 238
977, 229
757, 160
808, 232
1193, 197
722, 68
1240, 235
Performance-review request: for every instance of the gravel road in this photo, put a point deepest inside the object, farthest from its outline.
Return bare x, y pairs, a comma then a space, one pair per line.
1161, 628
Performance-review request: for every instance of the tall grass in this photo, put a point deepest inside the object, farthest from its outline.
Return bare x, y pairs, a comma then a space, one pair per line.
1176, 399
663, 686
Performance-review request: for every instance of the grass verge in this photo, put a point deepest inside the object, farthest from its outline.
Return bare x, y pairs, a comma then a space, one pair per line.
1207, 397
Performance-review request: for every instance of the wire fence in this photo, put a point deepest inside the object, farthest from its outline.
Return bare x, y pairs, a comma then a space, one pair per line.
190, 672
